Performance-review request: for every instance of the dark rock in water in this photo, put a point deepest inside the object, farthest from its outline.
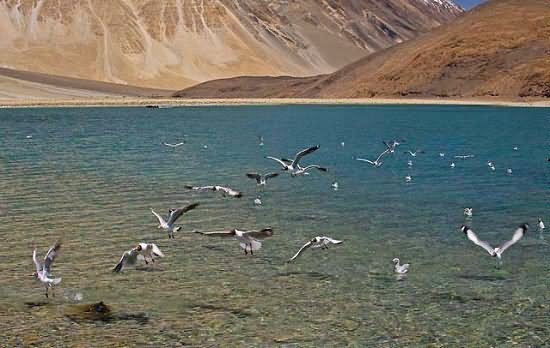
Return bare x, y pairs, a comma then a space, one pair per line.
32, 304
101, 312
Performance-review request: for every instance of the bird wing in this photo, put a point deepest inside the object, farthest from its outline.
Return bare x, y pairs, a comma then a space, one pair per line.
387, 146
51, 255
303, 153
270, 175
382, 154
304, 247
179, 212
261, 234
200, 188
129, 258
473, 237
37, 263
161, 220
518, 234
365, 160
156, 250
229, 233
255, 176
333, 241
277, 160
323, 169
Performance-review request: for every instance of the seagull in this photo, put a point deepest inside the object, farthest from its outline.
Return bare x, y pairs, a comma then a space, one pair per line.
173, 215
541, 225
43, 270
515, 148
205, 146
292, 165
408, 178
226, 191
317, 242
452, 164
468, 212
173, 145
391, 145
492, 168
509, 171
261, 140
441, 154
249, 241
464, 156
143, 251
410, 163
29, 137
518, 234
489, 163
400, 268
335, 185
342, 144
377, 162
413, 153
304, 170
258, 201
261, 179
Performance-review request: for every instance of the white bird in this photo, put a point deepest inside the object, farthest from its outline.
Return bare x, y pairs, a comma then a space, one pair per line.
292, 165
226, 191
410, 163
400, 268
468, 212
518, 235
143, 251
43, 270
249, 241
541, 225
29, 137
392, 145
377, 162
261, 179
408, 178
342, 144
509, 171
335, 185
441, 154
173, 145
413, 153
304, 170
489, 163
261, 140
317, 242
492, 168
464, 156
173, 215
515, 148
258, 201
205, 146
452, 164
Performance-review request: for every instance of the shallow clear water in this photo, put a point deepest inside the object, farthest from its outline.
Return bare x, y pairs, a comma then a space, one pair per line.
89, 176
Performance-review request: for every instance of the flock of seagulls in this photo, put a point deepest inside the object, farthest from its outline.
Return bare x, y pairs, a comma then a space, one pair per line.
250, 241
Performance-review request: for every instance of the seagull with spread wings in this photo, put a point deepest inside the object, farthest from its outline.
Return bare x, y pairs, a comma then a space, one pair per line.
43, 269
317, 242
143, 251
518, 235
292, 165
261, 179
249, 241
377, 162
173, 215
226, 191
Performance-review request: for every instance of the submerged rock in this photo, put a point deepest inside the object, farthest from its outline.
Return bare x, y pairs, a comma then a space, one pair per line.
95, 311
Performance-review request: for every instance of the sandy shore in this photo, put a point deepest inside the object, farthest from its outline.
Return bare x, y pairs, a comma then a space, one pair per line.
141, 102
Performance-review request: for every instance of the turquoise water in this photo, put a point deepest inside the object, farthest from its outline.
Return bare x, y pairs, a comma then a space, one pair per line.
90, 176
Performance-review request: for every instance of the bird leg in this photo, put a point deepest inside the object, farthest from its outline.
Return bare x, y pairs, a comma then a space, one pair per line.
251, 253
245, 251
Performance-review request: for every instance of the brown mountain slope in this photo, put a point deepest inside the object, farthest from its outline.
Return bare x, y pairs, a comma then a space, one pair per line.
499, 49
172, 44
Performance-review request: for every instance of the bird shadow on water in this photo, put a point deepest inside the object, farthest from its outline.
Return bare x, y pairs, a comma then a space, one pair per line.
312, 274
483, 277
101, 312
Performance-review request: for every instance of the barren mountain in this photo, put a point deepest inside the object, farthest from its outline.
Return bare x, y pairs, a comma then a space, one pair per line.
176, 43
501, 48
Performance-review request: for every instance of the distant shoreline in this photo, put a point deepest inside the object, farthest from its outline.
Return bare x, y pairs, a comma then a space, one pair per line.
172, 102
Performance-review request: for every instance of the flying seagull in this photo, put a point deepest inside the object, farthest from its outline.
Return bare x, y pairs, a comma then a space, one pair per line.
226, 191
173, 145
261, 179
317, 242
173, 215
249, 241
377, 162
43, 270
400, 268
143, 251
413, 153
518, 235
292, 165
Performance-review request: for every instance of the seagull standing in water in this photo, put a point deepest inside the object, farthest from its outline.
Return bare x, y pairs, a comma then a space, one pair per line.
249, 241
261, 179
173, 215
334, 185
400, 268
258, 201
317, 242
43, 270
509, 171
452, 164
468, 212
541, 225
408, 178
143, 251
293, 165
261, 140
